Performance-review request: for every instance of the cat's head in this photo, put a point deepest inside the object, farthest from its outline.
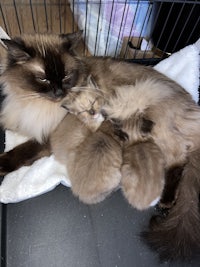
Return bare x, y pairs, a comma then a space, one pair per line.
86, 103
43, 64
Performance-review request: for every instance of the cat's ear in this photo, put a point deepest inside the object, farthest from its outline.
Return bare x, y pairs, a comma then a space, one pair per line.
71, 40
68, 106
16, 49
67, 102
91, 82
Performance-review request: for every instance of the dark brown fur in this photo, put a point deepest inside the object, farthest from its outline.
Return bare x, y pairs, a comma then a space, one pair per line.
169, 194
177, 235
23, 155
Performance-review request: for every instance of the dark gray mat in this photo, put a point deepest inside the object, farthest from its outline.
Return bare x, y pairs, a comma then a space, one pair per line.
56, 230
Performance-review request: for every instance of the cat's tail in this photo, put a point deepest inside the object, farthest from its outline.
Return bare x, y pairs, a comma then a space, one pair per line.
177, 236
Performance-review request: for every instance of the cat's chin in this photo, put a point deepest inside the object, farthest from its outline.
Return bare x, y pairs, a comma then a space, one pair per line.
93, 122
98, 117
54, 99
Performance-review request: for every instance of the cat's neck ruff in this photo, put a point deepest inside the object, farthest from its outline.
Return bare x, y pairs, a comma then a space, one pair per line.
33, 117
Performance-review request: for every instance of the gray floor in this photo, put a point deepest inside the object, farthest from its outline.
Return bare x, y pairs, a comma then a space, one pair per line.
56, 230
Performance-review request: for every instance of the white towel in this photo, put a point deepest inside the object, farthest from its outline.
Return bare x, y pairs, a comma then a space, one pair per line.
183, 67
46, 173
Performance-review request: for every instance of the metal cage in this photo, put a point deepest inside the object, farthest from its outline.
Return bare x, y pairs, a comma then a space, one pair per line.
135, 30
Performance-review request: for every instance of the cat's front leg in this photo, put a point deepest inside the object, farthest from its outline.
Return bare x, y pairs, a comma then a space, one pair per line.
22, 155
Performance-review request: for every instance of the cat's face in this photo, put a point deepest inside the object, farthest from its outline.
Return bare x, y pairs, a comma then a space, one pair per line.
43, 65
86, 103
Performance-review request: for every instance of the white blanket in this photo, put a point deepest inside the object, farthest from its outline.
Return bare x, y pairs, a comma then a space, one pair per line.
46, 173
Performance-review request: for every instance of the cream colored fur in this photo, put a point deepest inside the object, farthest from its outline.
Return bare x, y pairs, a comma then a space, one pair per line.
93, 160
129, 100
30, 114
143, 173
80, 101
175, 115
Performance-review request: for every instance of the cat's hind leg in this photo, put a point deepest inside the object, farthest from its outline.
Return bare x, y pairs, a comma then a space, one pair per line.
143, 173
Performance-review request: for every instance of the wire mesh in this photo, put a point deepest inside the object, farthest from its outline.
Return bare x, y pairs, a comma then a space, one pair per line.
139, 29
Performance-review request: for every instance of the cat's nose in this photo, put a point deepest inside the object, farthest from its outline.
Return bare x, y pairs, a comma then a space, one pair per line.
59, 92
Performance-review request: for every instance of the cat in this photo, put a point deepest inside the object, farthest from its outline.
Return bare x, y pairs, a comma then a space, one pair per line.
143, 168
93, 159
37, 74
142, 174
40, 70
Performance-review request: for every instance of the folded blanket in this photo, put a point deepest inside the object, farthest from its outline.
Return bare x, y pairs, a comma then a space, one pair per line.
46, 173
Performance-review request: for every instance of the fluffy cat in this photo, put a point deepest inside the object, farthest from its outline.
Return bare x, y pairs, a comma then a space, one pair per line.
143, 173
87, 145
93, 159
40, 70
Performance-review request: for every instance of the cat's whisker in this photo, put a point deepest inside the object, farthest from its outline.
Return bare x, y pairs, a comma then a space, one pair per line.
29, 97
31, 94
81, 112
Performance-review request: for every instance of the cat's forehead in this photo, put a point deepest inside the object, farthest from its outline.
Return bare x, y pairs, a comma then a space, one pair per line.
41, 44
36, 66
89, 94
49, 57
52, 64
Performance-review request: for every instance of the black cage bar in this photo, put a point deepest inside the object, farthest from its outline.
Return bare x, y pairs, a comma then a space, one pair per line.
141, 30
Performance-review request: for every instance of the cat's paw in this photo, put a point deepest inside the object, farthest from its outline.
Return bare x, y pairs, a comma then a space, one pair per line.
117, 126
5, 164
121, 134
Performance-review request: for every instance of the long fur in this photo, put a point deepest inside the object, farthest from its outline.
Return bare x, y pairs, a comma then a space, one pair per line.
37, 73
143, 172
177, 236
141, 92
175, 131
93, 160
34, 116
86, 103
175, 116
